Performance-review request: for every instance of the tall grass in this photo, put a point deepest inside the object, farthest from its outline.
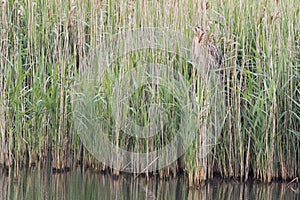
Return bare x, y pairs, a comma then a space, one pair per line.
44, 43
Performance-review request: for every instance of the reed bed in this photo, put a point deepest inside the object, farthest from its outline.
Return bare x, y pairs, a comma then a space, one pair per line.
45, 43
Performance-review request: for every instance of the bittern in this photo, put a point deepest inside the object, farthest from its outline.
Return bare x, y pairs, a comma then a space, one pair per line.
206, 55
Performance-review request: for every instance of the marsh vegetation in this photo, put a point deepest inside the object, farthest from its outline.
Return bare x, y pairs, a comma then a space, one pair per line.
44, 45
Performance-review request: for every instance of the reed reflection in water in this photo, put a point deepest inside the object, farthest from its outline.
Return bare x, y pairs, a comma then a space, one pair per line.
43, 184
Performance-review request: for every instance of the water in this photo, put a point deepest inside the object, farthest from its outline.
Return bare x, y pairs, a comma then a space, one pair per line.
43, 184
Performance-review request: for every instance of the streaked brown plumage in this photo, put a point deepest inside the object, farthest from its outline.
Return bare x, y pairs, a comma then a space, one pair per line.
205, 54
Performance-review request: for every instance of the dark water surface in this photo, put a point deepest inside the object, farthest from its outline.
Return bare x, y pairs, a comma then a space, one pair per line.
43, 184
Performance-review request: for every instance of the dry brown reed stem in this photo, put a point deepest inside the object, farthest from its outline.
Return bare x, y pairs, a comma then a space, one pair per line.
207, 57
